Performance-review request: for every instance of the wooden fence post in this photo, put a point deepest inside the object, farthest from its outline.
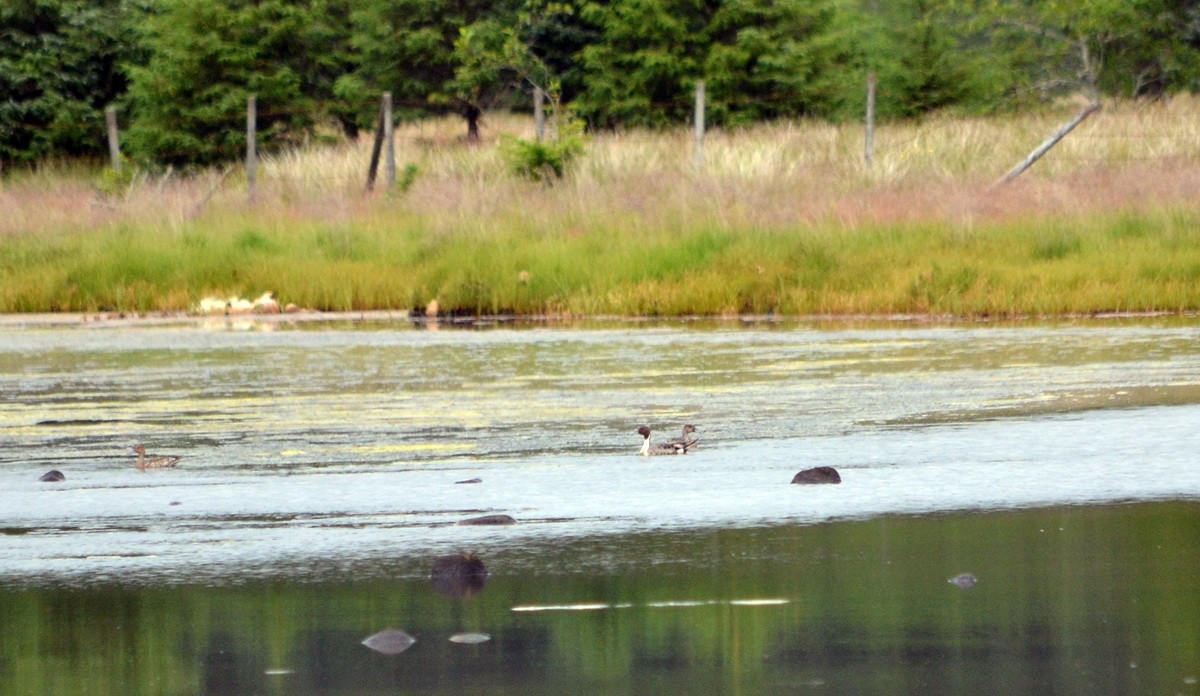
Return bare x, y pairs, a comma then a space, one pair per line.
1045, 146
869, 144
699, 120
539, 114
376, 150
389, 141
114, 143
251, 143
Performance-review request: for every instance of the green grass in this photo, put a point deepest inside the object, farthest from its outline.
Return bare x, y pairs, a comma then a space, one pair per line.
785, 218
1121, 262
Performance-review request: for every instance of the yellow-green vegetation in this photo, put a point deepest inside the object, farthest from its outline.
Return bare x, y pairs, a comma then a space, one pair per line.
782, 218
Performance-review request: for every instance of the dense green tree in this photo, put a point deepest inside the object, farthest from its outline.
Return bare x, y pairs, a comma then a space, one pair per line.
649, 55
60, 66
490, 62
759, 58
933, 57
407, 47
326, 38
207, 57
500, 59
1117, 47
182, 69
782, 58
555, 32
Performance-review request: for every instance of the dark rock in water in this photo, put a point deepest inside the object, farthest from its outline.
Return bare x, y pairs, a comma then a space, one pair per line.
820, 474
390, 642
53, 476
964, 580
488, 519
458, 576
474, 480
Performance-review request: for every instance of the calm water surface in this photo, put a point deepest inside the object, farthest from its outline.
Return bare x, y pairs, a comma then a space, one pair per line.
1057, 463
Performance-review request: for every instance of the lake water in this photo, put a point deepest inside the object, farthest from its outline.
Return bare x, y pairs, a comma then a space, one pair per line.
1056, 463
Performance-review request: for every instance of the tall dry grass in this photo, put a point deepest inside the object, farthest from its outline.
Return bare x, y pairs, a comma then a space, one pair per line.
783, 217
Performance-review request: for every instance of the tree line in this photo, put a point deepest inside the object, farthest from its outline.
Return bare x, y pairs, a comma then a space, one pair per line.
180, 70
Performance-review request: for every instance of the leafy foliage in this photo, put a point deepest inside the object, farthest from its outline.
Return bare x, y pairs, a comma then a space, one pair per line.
785, 58
408, 47
642, 68
206, 59
181, 70
544, 160
60, 66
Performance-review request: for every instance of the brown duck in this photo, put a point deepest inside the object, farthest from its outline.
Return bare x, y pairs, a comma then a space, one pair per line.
154, 462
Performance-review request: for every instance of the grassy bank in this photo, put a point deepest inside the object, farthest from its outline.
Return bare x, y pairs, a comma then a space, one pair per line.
784, 218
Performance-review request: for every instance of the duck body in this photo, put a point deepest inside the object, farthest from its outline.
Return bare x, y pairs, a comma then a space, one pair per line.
662, 448
686, 440
147, 462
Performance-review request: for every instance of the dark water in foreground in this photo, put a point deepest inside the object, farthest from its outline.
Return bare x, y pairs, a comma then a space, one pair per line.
1073, 600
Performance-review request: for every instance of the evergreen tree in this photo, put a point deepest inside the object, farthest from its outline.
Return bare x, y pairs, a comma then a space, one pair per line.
782, 58
555, 32
933, 58
207, 57
649, 55
407, 47
759, 58
60, 66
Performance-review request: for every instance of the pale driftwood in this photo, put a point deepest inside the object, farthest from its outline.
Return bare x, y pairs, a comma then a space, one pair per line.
1045, 147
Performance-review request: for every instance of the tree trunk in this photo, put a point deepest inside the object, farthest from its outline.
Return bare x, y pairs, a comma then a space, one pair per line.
472, 114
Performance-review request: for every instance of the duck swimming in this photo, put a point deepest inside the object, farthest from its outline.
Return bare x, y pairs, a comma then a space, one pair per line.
144, 462
687, 441
649, 450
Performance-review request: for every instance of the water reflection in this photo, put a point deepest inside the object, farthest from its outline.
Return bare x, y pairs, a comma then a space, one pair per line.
458, 576
1073, 600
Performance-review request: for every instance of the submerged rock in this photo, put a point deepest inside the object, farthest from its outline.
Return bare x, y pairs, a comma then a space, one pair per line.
390, 642
53, 476
458, 576
820, 474
473, 480
470, 638
488, 520
963, 580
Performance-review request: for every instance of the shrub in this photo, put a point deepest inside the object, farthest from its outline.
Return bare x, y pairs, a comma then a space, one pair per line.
543, 160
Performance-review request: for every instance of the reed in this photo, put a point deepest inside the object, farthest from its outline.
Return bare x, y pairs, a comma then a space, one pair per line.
783, 218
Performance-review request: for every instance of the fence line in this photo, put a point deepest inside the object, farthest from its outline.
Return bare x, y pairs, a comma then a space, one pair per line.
385, 136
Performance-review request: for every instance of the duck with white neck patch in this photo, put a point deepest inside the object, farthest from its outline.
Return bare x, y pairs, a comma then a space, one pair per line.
662, 448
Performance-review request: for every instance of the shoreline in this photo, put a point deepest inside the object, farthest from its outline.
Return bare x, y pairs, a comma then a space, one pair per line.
119, 319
